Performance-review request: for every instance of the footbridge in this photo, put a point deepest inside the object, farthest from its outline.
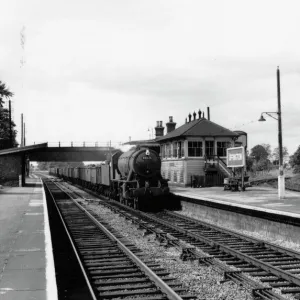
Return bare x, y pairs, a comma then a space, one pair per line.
13, 160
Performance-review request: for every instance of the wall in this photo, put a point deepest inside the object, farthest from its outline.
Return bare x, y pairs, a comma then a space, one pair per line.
180, 170
10, 167
174, 169
237, 221
195, 166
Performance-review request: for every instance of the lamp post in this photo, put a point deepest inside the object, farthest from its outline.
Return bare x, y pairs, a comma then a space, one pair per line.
281, 182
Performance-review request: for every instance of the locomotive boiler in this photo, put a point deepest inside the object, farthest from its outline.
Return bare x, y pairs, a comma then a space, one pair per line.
133, 178
140, 182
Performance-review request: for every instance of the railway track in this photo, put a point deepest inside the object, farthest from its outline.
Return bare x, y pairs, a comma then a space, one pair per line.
261, 266
275, 266
113, 267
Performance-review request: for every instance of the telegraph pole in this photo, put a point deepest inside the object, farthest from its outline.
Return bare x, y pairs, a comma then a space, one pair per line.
10, 126
24, 143
281, 181
22, 130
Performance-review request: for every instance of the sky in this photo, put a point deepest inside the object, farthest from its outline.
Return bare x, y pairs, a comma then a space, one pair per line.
98, 70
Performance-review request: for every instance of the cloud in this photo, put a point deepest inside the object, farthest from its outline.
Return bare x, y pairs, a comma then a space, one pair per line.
110, 69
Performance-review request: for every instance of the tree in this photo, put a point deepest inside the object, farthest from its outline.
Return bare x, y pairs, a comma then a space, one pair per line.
295, 161
261, 152
4, 117
4, 92
275, 154
268, 149
259, 158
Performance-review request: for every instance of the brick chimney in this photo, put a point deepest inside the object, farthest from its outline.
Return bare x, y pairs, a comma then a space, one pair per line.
190, 117
208, 114
159, 129
170, 125
199, 114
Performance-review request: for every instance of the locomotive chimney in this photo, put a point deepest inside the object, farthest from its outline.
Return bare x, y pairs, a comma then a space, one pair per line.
159, 129
170, 125
190, 117
208, 114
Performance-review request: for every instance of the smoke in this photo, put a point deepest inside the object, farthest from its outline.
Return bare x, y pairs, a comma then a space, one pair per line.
125, 148
22, 42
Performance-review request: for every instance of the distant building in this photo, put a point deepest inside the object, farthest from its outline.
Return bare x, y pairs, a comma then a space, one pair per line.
194, 152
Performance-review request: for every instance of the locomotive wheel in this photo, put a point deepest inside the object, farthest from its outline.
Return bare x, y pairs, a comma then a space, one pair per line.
121, 198
136, 203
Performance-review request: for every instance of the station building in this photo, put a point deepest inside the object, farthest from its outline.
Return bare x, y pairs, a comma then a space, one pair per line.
195, 152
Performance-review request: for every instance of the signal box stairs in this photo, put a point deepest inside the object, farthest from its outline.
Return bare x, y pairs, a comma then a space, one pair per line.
215, 170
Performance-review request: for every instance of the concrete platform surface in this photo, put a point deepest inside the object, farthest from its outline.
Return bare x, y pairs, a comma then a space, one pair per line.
26, 261
260, 198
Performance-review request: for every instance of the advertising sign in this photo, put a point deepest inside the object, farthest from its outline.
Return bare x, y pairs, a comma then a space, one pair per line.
235, 157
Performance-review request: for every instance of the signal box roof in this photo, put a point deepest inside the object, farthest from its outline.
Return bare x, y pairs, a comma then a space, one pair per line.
199, 127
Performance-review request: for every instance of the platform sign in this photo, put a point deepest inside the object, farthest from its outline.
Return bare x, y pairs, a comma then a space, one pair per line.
235, 157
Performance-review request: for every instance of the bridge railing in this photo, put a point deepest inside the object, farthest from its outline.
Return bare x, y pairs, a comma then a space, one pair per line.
80, 144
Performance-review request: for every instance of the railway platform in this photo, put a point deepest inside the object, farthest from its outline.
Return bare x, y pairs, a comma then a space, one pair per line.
256, 210
26, 260
256, 197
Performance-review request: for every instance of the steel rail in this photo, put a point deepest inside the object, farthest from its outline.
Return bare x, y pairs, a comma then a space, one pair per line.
263, 265
238, 235
159, 282
254, 261
236, 276
74, 248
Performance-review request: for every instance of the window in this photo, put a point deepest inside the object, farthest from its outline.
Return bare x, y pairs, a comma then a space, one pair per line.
168, 150
221, 148
209, 148
195, 149
181, 151
162, 151
175, 149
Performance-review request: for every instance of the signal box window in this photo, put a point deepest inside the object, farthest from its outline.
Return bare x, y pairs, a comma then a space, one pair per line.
209, 148
180, 149
175, 149
168, 150
221, 148
195, 149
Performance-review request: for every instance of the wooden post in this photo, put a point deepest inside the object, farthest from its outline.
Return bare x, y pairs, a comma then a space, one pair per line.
242, 178
22, 131
24, 142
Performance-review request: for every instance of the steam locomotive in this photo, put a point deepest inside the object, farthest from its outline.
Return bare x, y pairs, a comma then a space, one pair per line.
133, 178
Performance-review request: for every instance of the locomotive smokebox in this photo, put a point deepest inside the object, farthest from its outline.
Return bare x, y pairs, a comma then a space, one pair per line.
143, 162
